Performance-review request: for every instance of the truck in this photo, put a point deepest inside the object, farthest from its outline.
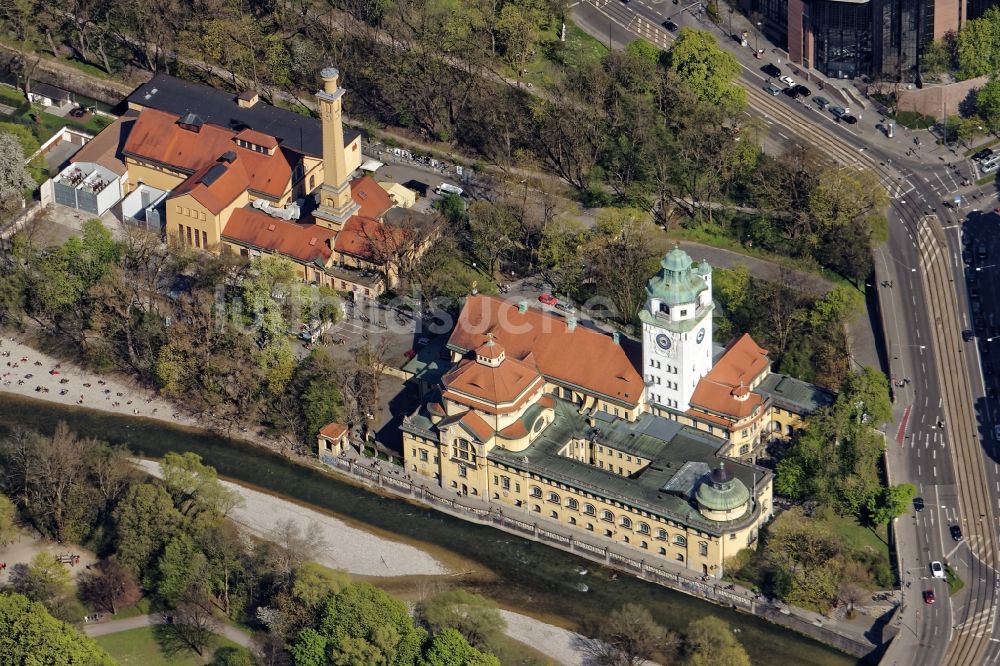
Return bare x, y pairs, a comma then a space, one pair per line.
448, 188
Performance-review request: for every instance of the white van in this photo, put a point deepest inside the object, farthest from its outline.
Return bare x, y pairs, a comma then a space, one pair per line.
447, 188
990, 165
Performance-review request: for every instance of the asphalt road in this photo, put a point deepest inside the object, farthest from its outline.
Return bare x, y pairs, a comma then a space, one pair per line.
944, 442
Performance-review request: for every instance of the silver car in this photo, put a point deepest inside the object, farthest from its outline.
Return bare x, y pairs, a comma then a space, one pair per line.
838, 111
772, 89
821, 102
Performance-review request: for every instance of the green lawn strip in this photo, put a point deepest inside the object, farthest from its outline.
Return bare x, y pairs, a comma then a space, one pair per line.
914, 120
578, 49
142, 607
987, 179
139, 647
989, 144
513, 652
954, 582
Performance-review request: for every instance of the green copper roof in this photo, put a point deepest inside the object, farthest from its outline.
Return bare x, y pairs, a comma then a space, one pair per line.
676, 283
704, 268
722, 491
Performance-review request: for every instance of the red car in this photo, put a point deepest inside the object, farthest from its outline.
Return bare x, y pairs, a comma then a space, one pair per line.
928, 596
548, 299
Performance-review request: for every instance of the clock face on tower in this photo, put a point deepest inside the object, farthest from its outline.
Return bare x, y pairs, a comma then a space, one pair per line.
701, 335
663, 341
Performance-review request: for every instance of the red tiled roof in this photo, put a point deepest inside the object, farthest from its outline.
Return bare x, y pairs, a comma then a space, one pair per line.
476, 425
157, 136
368, 194
333, 430
719, 390
306, 243
230, 180
258, 138
359, 233
582, 357
512, 381
105, 148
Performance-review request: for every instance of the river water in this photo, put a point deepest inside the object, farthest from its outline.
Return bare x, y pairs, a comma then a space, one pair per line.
528, 576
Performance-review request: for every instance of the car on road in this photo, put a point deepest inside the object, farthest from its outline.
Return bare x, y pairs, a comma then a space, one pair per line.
565, 307
967, 335
787, 80
937, 569
548, 299
918, 503
929, 596
837, 111
956, 532
983, 154
771, 70
849, 119
801, 90
989, 166
669, 25
821, 102
772, 89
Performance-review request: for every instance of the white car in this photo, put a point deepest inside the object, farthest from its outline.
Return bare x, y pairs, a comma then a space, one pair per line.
787, 80
937, 569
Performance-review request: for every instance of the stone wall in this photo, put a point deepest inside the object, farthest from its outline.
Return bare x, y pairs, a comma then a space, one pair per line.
69, 78
938, 100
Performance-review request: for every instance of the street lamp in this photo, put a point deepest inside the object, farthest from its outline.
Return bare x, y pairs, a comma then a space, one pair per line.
730, 21
756, 39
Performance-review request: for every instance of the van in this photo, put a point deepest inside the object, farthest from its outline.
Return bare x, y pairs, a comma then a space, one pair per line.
990, 165
448, 188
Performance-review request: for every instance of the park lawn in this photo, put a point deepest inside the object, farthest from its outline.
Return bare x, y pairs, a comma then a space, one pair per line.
579, 49
856, 536
139, 647
512, 652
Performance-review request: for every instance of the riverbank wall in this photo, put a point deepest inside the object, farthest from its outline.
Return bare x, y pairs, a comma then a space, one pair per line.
609, 555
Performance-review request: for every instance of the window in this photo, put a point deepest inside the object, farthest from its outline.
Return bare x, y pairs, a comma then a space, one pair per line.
702, 548
662, 551
680, 540
661, 534
423, 456
505, 482
643, 544
553, 514
626, 522
680, 558
536, 491
180, 232
463, 472
312, 182
554, 498
664, 308
684, 313
572, 504
732, 536
628, 458
189, 235
608, 516
643, 528
590, 527
608, 533
572, 520
589, 509
204, 236
745, 449
197, 238
536, 508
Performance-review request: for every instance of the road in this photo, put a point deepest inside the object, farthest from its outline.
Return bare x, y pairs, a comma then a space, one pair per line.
944, 443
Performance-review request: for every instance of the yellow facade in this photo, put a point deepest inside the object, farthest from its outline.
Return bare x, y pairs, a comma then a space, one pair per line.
154, 175
187, 219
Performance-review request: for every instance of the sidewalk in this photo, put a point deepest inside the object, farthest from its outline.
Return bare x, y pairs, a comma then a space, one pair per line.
117, 626
850, 636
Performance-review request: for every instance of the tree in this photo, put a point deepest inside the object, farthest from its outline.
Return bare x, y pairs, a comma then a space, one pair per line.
15, 180
988, 104
696, 59
936, 60
979, 45
890, 502
560, 254
473, 616
144, 522
624, 249
192, 627
806, 559
49, 582
710, 642
195, 487
313, 583
295, 546
182, 572
30, 635
109, 586
449, 648
495, 232
630, 637
644, 50
8, 521
233, 656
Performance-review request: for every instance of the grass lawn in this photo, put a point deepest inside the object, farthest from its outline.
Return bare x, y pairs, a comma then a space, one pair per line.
914, 120
859, 537
579, 48
989, 144
139, 647
954, 582
513, 652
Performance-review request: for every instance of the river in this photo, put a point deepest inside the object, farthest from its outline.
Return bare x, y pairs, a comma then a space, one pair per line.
528, 576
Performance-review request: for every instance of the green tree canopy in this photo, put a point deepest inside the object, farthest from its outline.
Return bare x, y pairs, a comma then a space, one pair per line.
29, 635
696, 59
449, 648
144, 521
890, 502
988, 104
709, 641
472, 615
979, 45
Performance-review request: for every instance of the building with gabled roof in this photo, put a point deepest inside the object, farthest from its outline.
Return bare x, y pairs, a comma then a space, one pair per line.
544, 416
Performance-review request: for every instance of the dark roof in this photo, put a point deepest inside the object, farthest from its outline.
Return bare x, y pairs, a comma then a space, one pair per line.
793, 394
219, 107
52, 92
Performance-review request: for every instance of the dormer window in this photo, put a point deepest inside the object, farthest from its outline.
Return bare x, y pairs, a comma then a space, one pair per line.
664, 308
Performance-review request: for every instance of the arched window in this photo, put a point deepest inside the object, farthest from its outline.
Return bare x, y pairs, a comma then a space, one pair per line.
661, 534
312, 182
572, 504
776, 427
680, 540
789, 430
662, 551
554, 515
589, 510
553, 497
572, 520
608, 516
536, 491
680, 558
643, 528
643, 544
626, 522
536, 508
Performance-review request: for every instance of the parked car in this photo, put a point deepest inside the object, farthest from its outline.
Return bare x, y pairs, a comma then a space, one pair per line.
849, 119
821, 102
801, 90
996, 431
565, 307
771, 70
670, 25
548, 299
983, 154
937, 569
787, 80
956, 532
772, 89
967, 335
929, 596
838, 111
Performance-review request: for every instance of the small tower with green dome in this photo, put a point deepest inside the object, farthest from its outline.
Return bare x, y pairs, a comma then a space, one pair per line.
676, 330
